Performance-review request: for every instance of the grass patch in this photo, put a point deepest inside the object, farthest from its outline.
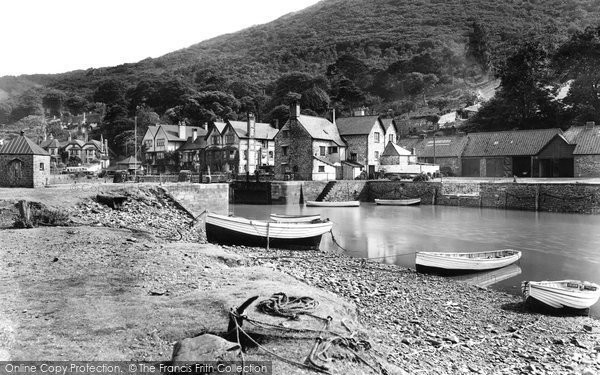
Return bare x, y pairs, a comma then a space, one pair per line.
42, 216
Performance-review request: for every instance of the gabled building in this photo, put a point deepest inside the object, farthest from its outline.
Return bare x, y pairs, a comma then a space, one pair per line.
391, 130
216, 158
23, 163
161, 141
250, 145
193, 154
308, 148
586, 154
366, 140
521, 153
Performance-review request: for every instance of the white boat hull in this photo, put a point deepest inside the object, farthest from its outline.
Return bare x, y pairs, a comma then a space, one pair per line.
229, 230
398, 202
294, 218
564, 293
333, 204
476, 261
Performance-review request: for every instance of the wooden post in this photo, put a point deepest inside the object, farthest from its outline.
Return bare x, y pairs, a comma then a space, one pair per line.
24, 211
268, 235
537, 197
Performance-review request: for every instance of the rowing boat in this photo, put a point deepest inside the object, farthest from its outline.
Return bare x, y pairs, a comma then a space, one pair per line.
333, 204
398, 202
476, 261
232, 230
295, 218
572, 294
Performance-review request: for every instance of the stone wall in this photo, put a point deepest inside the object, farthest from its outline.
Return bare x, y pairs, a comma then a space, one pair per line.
587, 165
427, 191
197, 198
348, 190
299, 158
18, 170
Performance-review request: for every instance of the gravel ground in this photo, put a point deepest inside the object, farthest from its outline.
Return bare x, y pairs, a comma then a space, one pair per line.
421, 323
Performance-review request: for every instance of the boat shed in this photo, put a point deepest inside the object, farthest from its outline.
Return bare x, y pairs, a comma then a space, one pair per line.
587, 149
23, 164
522, 153
443, 151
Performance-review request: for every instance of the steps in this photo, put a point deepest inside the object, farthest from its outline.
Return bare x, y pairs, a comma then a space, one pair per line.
326, 191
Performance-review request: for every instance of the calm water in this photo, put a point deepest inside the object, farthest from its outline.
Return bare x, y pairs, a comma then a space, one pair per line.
554, 246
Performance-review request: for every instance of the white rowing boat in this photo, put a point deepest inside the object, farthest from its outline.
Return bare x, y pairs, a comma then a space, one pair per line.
573, 294
333, 204
476, 261
295, 218
398, 202
231, 230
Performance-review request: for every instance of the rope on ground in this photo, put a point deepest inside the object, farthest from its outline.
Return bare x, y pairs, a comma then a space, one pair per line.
336, 241
290, 307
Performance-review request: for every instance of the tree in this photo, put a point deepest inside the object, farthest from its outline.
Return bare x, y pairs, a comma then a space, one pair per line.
208, 106
34, 123
280, 114
76, 104
29, 103
315, 98
479, 46
5, 110
419, 84
54, 101
110, 92
74, 161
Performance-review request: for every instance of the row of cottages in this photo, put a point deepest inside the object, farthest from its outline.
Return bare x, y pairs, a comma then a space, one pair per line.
521, 153
232, 146
89, 151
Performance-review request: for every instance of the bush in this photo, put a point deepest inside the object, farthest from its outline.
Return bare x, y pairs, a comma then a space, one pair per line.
420, 178
447, 171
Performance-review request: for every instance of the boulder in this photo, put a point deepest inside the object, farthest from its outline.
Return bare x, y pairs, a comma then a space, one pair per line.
205, 347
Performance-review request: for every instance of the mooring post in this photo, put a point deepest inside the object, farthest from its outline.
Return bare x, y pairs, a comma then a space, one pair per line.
24, 211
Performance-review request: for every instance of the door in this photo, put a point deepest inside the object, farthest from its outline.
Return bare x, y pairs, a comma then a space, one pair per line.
371, 172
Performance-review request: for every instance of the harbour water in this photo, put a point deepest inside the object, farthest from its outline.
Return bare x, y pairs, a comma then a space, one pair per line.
555, 246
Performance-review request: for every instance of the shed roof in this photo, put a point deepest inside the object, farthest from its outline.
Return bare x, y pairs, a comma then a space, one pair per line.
22, 146
508, 143
441, 147
586, 140
321, 128
358, 125
392, 149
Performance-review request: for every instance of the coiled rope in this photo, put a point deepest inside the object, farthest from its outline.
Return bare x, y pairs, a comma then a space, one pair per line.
290, 307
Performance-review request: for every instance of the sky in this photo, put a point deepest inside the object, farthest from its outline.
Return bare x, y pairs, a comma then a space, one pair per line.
55, 36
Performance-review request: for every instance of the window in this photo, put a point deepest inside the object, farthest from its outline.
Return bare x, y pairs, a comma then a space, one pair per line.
392, 138
322, 150
285, 134
264, 144
224, 154
160, 155
321, 168
270, 154
333, 150
353, 156
230, 138
232, 154
376, 137
41, 166
215, 140
376, 155
148, 143
284, 150
160, 142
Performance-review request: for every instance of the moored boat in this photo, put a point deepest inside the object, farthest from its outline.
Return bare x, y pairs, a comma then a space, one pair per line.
398, 202
295, 218
231, 230
573, 294
475, 261
333, 204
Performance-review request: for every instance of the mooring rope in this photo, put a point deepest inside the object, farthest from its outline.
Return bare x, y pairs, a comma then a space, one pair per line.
290, 307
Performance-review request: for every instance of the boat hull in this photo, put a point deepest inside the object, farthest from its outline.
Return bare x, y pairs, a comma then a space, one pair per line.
240, 231
433, 262
295, 218
398, 202
560, 295
333, 204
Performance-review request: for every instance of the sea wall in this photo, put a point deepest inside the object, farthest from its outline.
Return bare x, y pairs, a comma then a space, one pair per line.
196, 198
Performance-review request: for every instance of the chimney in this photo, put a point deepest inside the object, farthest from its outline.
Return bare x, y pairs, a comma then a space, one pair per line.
22, 133
105, 146
51, 136
590, 124
181, 130
333, 115
276, 123
412, 151
251, 125
194, 134
294, 110
70, 136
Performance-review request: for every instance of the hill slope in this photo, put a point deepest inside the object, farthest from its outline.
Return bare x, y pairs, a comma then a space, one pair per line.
379, 32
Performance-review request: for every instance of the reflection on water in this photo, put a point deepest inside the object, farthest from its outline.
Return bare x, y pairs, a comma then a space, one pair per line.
485, 279
554, 246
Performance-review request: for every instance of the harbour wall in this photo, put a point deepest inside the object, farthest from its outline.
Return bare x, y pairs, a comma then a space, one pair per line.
196, 198
558, 197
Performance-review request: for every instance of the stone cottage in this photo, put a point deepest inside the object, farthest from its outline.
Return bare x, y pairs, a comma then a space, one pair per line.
23, 164
586, 154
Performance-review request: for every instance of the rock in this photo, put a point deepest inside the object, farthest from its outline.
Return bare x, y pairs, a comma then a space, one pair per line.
588, 371
452, 338
558, 342
206, 347
588, 328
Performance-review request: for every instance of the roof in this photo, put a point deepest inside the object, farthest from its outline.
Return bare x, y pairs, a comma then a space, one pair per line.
358, 125
22, 146
473, 108
190, 145
326, 160
320, 128
586, 140
508, 143
392, 149
387, 122
441, 147
352, 163
75, 142
172, 131
408, 143
96, 143
261, 130
448, 117
129, 160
